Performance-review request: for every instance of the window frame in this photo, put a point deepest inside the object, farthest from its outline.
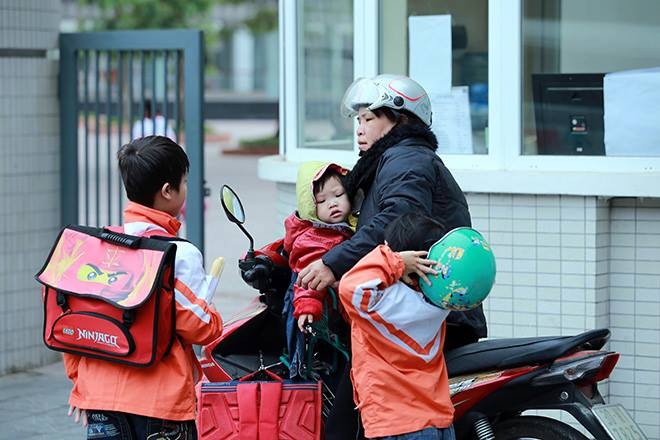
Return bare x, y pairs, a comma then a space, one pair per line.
291, 142
504, 168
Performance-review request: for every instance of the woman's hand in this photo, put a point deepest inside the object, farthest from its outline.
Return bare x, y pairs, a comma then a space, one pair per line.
303, 320
316, 276
414, 262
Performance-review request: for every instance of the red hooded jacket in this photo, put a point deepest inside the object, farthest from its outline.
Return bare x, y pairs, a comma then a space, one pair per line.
305, 242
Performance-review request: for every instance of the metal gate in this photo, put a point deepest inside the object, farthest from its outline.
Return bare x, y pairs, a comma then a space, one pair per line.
115, 86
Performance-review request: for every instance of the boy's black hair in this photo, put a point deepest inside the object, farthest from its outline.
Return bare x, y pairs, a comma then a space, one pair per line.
147, 163
319, 183
413, 232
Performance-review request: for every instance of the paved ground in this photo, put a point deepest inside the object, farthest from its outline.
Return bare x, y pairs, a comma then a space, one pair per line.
33, 404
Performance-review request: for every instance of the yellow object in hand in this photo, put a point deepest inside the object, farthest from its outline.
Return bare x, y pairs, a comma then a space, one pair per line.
217, 267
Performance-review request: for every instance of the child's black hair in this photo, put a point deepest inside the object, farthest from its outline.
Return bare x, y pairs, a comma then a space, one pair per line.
413, 232
147, 163
319, 183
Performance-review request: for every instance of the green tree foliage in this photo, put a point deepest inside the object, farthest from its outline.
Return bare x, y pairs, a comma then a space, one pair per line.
104, 15
150, 14
171, 14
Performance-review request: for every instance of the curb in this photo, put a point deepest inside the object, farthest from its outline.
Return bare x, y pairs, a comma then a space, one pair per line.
263, 151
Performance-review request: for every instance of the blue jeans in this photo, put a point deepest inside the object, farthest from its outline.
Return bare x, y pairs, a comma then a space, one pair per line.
112, 425
425, 434
295, 339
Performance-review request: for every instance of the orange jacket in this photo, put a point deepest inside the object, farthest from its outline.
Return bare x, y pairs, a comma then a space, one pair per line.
166, 389
398, 369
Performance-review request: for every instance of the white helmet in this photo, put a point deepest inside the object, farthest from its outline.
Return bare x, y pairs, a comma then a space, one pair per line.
394, 91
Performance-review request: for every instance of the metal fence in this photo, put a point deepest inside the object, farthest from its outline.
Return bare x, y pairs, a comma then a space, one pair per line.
114, 87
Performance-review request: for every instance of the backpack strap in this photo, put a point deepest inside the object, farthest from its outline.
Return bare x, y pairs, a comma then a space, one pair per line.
269, 410
157, 234
116, 234
248, 415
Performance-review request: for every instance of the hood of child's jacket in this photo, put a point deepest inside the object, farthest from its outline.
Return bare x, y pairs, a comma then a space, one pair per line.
307, 234
294, 227
308, 173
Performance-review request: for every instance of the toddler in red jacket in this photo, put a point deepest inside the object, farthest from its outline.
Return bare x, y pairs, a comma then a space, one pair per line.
320, 222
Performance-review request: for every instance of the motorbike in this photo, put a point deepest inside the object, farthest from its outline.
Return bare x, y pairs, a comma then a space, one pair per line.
493, 383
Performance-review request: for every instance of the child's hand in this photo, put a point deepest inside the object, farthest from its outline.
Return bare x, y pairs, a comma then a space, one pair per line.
303, 320
79, 415
414, 262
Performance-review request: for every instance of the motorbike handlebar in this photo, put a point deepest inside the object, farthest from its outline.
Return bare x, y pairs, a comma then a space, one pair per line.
260, 273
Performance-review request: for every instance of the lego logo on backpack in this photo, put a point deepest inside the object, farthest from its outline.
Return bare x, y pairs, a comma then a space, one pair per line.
93, 332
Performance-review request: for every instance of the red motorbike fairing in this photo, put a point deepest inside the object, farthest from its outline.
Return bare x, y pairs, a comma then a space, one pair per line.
273, 251
466, 391
249, 341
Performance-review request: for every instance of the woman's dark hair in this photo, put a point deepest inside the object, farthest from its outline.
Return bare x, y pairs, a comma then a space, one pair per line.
413, 232
401, 117
147, 163
389, 113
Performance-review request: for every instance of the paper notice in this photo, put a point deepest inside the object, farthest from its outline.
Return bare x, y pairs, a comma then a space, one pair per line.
429, 37
632, 112
451, 121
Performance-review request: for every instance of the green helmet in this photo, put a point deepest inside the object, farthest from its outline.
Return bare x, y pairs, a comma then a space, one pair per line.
466, 270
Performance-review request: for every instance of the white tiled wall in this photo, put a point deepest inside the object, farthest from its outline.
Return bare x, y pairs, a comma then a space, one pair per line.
29, 176
635, 307
29, 24
567, 264
549, 262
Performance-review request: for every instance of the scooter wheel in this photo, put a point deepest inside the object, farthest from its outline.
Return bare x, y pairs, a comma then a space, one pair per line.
535, 428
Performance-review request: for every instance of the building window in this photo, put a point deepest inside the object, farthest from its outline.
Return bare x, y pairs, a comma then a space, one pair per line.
325, 51
467, 130
568, 48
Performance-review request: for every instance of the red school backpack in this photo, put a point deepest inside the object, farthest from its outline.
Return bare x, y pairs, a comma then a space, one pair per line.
109, 295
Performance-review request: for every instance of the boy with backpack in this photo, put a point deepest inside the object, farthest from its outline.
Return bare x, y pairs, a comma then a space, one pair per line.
398, 369
126, 402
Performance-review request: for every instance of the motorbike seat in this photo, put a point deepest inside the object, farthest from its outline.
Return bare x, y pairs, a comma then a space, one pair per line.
498, 354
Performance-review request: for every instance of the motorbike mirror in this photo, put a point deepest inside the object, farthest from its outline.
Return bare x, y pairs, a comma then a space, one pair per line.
235, 213
232, 205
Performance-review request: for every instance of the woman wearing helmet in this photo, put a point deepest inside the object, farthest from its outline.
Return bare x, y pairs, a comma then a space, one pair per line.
398, 172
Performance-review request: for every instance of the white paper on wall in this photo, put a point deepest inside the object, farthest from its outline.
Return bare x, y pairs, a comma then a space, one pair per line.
429, 61
632, 112
451, 121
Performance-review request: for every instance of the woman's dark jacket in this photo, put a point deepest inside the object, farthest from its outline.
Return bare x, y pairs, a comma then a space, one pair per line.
409, 177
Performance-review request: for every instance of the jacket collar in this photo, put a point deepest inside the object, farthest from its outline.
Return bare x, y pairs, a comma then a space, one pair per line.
134, 212
407, 134
364, 172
